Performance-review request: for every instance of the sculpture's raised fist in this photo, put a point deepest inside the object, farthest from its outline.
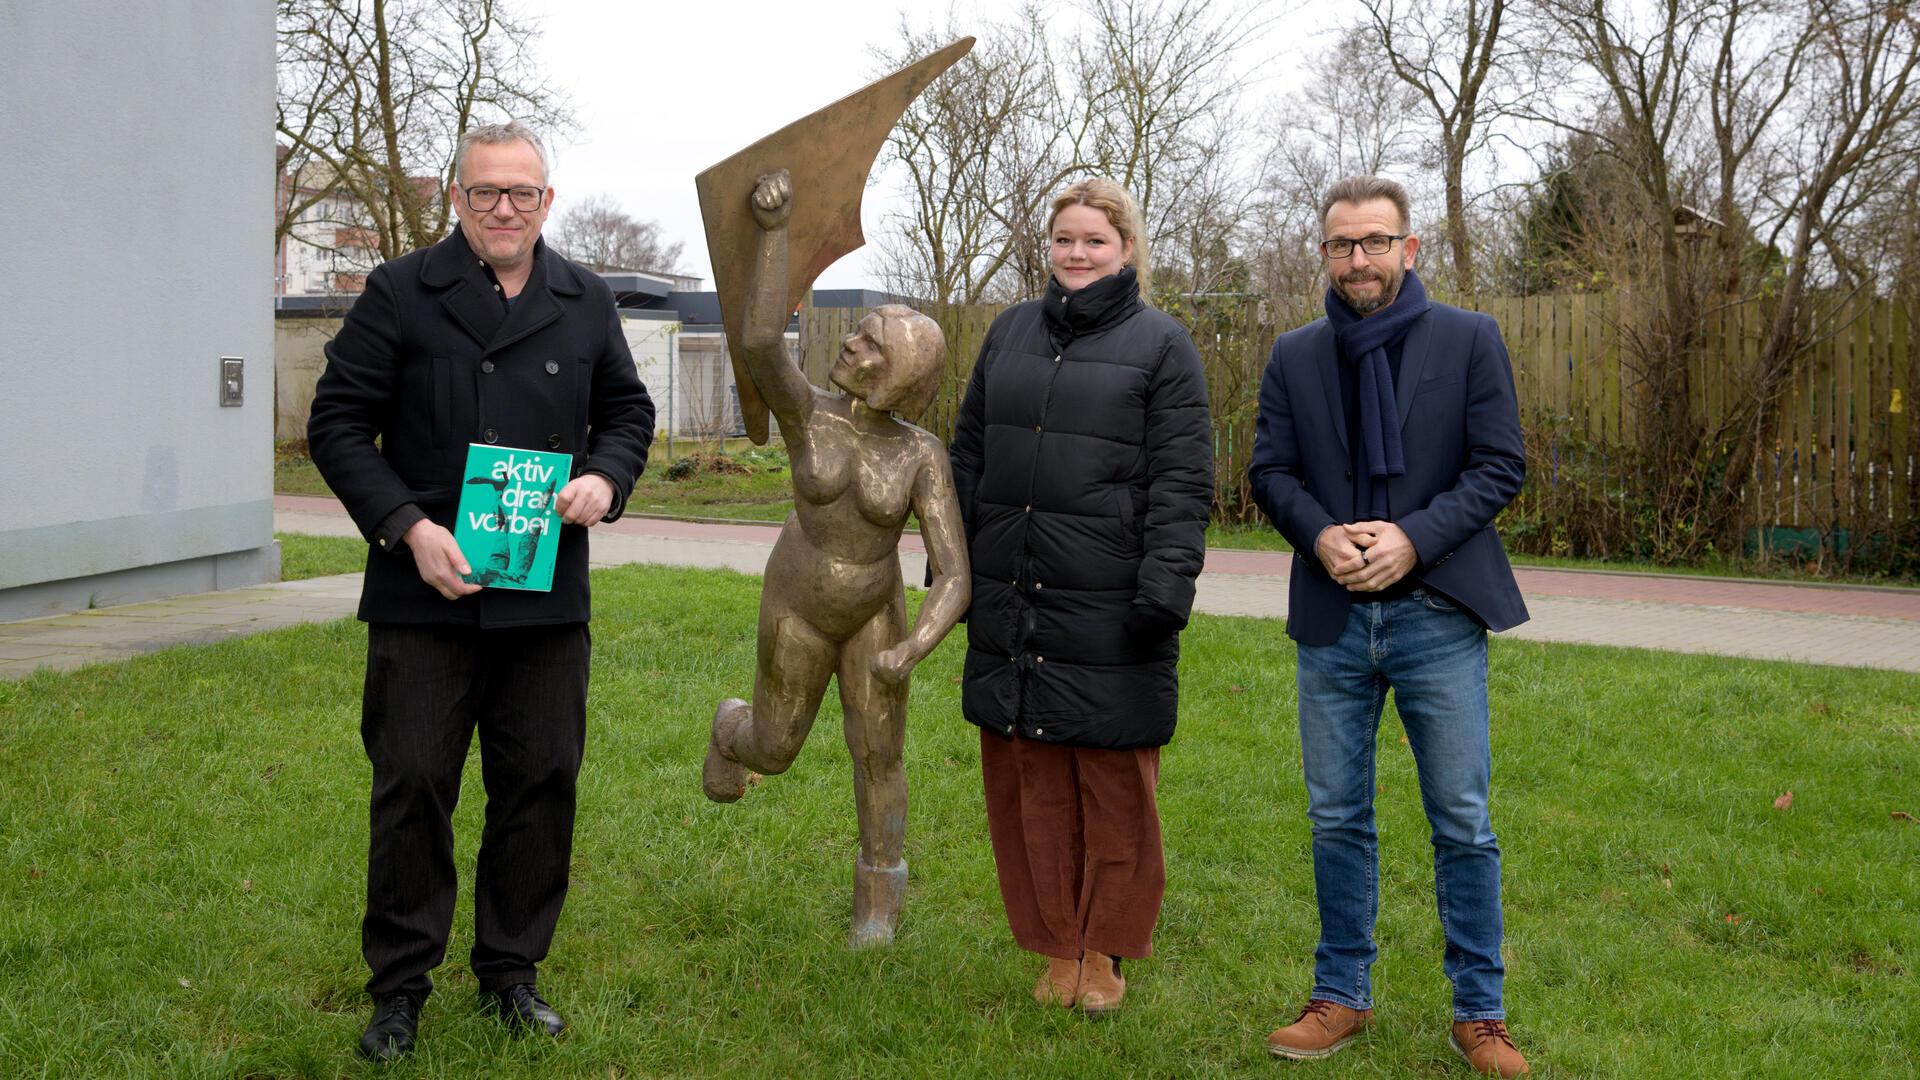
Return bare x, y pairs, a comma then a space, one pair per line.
773, 199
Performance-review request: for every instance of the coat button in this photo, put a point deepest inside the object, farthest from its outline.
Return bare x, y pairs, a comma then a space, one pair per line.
491, 436
486, 366
1039, 659
1037, 585
553, 442
553, 367
1029, 508
1039, 731
1348, 474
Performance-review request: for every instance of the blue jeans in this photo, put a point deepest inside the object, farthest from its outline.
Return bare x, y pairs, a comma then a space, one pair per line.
1434, 659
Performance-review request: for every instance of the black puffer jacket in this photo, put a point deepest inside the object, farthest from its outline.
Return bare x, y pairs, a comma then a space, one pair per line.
1084, 463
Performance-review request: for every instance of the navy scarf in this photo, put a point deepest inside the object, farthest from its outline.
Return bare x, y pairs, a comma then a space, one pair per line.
1363, 342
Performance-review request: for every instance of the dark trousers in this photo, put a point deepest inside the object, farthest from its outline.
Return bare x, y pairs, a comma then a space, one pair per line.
1076, 841
428, 688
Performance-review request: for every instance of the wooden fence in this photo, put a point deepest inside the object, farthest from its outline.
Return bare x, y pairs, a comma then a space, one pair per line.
1843, 460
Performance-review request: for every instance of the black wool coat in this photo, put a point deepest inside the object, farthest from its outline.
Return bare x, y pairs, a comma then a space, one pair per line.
1084, 467
430, 360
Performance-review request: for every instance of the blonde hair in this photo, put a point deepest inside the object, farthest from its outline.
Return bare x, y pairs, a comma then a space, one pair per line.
1122, 213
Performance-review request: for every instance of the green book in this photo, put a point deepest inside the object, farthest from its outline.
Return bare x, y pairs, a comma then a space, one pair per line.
507, 525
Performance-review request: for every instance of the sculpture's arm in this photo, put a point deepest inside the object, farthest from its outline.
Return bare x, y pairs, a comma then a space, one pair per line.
764, 330
938, 509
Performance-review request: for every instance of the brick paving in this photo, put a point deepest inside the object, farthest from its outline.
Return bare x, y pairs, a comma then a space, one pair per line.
1821, 624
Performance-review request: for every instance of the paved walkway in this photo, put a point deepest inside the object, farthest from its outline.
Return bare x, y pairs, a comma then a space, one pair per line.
1820, 624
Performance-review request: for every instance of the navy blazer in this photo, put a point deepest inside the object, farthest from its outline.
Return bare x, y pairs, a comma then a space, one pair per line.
1460, 426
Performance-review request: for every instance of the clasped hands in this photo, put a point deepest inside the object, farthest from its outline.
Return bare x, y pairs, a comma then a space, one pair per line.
584, 501
1366, 556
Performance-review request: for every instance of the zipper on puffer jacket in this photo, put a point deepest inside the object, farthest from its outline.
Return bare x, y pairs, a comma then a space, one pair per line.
1033, 462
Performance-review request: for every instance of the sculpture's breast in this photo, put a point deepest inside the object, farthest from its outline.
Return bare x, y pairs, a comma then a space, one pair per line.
883, 482
822, 475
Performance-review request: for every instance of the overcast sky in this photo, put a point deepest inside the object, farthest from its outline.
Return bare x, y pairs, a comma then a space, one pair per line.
665, 88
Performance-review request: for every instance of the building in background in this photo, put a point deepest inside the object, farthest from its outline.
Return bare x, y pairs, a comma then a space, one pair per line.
675, 334
136, 424
331, 245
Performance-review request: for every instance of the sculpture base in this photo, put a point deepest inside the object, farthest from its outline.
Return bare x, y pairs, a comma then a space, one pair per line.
877, 895
722, 778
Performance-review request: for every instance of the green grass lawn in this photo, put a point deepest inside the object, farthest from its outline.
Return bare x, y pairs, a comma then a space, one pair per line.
303, 556
764, 494
182, 840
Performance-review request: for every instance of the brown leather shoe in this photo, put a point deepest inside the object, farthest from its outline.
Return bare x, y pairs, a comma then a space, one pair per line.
1059, 984
1323, 1027
1101, 986
1488, 1048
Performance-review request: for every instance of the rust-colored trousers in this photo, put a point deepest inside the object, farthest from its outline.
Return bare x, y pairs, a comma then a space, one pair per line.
1076, 838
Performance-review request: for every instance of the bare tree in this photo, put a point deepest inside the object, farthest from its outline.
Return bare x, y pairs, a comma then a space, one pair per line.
1446, 54
1162, 118
982, 149
1859, 136
1334, 126
597, 232
1757, 59
373, 95
1147, 98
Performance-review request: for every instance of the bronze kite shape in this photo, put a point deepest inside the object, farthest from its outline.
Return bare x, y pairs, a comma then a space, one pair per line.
829, 155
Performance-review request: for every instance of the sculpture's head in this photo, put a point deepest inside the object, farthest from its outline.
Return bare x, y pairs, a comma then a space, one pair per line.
893, 361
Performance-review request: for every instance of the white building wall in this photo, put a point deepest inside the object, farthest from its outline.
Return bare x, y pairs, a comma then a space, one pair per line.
142, 130
654, 344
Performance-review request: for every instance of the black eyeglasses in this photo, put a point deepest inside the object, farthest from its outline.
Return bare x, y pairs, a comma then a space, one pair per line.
485, 197
1377, 244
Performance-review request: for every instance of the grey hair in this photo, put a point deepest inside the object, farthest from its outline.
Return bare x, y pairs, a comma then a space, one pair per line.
1359, 189
493, 135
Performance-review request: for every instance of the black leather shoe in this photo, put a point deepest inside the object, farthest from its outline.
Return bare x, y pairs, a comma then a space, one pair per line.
521, 1009
396, 1020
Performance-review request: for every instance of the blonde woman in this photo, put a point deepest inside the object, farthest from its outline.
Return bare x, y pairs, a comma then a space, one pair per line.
1083, 462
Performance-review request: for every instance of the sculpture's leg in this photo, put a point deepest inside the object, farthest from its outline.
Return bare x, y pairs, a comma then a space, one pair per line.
794, 663
876, 725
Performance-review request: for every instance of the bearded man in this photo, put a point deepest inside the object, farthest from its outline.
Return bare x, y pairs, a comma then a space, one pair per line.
1388, 439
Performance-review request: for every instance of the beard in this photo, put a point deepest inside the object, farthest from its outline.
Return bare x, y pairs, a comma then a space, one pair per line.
1389, 289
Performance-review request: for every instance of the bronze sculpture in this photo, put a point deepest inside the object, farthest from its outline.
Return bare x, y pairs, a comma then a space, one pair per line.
828, 155
832, 602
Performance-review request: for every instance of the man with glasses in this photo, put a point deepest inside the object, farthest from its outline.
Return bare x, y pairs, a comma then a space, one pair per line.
1388, 439
486, 337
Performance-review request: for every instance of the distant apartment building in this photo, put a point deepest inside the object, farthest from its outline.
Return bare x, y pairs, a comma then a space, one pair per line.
671, 325
331, 244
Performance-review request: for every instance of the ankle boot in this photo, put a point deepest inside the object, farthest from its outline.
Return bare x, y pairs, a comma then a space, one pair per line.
1101, 986
1059, 984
